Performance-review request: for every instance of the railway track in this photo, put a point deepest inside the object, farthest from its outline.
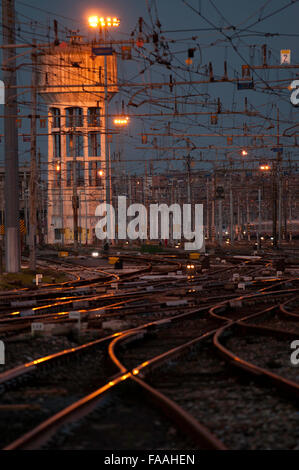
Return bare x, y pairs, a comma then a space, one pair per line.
39, 304
156, 344
238, 410
207, 437
290, 309
262, 346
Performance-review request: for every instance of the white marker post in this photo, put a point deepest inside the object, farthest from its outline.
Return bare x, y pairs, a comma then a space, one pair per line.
235, 303
2, 92
76, 316
37, 327
2, 353
38, 277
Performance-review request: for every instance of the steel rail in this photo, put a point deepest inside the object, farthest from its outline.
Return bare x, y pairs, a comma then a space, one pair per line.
280, 382
45, 430
289, 313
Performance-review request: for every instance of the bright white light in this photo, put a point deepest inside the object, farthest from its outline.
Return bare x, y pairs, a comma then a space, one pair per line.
121, 121
265, 167
95, 254
93, 21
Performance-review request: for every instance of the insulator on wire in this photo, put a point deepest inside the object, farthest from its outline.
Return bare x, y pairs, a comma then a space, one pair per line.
155, 38
218, 106
211, 72
170, 83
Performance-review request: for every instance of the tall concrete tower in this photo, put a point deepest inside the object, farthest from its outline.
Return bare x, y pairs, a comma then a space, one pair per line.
76, 88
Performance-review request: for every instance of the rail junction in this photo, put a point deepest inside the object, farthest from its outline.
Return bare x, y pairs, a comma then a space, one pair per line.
180, 355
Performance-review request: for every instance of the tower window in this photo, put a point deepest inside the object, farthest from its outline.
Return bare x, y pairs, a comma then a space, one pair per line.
56, 146
57, 233
94, 177
94, 144
74, 117
55, 113
79, 173
74, 144
94, 117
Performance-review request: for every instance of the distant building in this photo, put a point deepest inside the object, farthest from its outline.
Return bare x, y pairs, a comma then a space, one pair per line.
72, 78
171, 187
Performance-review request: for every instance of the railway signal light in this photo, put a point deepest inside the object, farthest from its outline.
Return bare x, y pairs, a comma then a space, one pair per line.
190, 266
265, 167
121, 121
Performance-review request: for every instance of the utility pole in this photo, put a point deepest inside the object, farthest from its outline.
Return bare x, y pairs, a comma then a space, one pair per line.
274, 214
107, 150
40, 208
248, 216
75, 195
188, 163
239, 220
208, 211
259, 217
279, 208
110, 189
12, 229
285, 205
130, 197
219, 195
231, 210
220, 221
61, 166
213, 206
33, 175
25, 206
276, 173
231, 207
290, 217
86, 234
80, 219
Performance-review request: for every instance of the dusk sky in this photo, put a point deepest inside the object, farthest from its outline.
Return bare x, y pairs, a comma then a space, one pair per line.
245, 26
